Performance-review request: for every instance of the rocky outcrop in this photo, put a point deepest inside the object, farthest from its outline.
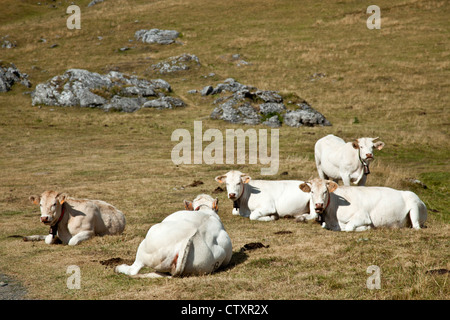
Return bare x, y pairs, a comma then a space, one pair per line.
157, 36
182, 62
9, 75
113, 91
249, 105
6, 43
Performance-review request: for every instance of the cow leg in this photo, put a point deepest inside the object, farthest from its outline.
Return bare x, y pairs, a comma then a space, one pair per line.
79, 237
359, 222
50, 239
130, 270
36, 237
345, 179
261, 216
321, 173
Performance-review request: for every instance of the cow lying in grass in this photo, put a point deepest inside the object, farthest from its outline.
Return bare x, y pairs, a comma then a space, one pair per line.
361, 208
73, 220
264, 200
184, 243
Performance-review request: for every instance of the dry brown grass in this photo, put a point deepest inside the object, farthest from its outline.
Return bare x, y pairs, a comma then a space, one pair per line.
391, 83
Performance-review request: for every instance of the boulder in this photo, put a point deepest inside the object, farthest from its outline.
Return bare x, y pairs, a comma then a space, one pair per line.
9, 75
157, 36
113, 91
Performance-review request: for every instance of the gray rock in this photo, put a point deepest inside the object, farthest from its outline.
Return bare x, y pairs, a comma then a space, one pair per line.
164, 103
304, 116
113, 91
9, 75
156, 36
269, 96
207, 90
271, 107
6, 43
179, 63
273, 122
248, 105
124, 104
94, 2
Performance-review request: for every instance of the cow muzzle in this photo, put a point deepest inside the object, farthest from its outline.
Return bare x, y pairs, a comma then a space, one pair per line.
232, 196
46, 219
318, 207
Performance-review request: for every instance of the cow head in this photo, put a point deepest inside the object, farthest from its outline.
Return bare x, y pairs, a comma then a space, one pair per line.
202, 200
234, 180
50, 203
319, 190
365, 148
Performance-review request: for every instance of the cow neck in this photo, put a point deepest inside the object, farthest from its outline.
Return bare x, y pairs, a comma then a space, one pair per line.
328, 202
366, 166
54, 228
236, 202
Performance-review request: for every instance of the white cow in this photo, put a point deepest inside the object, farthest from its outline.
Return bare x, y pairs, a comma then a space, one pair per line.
184, 243
349, 161
361, 208
74, 220
264, 200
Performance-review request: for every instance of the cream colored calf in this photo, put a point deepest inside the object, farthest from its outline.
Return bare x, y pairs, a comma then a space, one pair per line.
74, 220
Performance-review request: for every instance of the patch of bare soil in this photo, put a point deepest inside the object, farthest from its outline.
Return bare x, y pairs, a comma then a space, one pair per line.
11, 289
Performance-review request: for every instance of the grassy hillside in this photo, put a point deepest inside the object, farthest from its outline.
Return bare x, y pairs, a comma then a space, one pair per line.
392, 83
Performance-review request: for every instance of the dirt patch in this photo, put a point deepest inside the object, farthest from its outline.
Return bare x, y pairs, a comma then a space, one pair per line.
283, 232
218, 190
195, 183
253, 246
112, 262
11, 289
438, 271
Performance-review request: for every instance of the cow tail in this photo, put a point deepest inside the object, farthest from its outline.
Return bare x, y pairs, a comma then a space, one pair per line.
179, 262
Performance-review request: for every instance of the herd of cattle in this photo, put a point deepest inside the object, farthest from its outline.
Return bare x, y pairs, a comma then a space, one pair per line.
194, 241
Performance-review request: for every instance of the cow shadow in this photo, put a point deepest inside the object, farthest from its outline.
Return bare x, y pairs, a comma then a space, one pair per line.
237, 258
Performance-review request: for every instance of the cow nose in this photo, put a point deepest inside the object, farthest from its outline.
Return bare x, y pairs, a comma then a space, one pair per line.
369, 155
44, 219
319, 205
232, 195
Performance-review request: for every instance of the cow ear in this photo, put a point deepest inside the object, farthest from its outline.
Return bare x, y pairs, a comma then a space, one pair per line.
378, 145
216, 205
221, 179
245, 178
304, 187
61, 197
331, 186
355, 144
34, 199
188, 205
